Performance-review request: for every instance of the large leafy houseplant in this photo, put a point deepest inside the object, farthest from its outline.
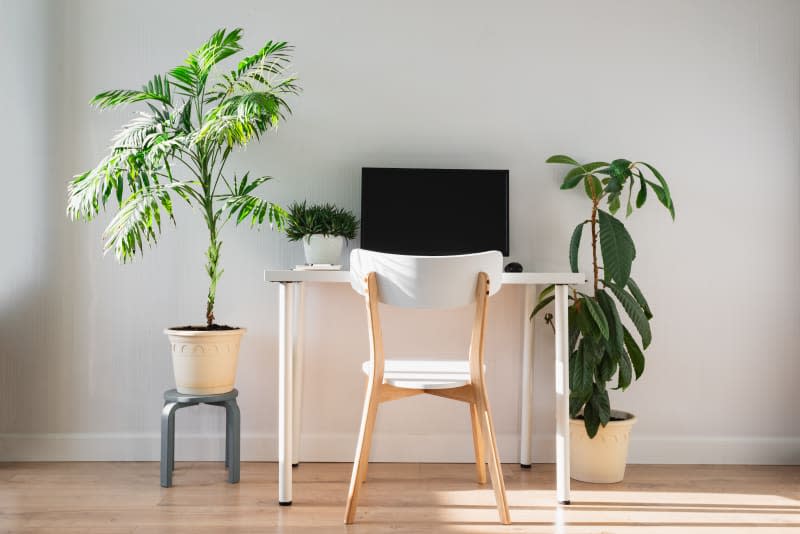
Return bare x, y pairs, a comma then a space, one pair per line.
179, 146
600, 344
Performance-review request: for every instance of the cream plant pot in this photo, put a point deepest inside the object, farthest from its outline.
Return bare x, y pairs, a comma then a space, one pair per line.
204, 362
602, 458
320, 248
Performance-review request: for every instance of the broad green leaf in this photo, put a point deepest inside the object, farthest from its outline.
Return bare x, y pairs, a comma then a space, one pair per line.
592, 186
637, 294
607, 367
575, 369
591, 420
613, 203
609, 308
593, 352
573, 178
624, 377
616, 247
613, 184
667, 200
574, 244
620, 169
590, 167
541, 304
581, 370
642, 196
574, 331
634, 311
597, 315
601, 404
629, 208
576, 402
560, 158
584, 321
662, 197
546, 292
636, 355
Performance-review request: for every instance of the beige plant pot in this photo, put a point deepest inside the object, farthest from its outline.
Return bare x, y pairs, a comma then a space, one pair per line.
603, 458
204, 362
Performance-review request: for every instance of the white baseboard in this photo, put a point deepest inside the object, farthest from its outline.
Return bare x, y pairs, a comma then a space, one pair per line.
386, 448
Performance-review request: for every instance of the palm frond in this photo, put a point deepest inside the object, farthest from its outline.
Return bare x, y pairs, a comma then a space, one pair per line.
88, 191
259, 210
164, 147
263, 67
241, 117
137, 159
219, 46
191, 77
139, 219
156, 89
136, 133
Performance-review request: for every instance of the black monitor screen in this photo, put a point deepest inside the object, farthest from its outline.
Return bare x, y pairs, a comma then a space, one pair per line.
434, 212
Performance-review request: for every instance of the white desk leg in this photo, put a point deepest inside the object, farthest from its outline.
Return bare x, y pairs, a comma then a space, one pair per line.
285, 339
562, 395
299, 334
526, 394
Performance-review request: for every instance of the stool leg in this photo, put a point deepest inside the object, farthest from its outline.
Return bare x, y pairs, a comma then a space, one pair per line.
233, 428
168, 442
227, 438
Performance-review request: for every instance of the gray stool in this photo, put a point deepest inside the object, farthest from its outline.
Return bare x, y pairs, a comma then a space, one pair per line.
173, 401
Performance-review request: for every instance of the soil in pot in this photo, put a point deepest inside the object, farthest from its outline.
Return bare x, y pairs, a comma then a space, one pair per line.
204, 328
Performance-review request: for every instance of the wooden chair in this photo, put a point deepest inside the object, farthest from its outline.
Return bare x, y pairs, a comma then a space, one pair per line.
428, 282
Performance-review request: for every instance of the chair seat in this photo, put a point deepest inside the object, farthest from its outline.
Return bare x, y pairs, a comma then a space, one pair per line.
423, 374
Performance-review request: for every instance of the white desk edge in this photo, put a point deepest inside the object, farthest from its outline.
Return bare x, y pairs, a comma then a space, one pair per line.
290, 349
344, 276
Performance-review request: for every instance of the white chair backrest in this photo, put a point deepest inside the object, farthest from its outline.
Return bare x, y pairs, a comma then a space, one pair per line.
425, 281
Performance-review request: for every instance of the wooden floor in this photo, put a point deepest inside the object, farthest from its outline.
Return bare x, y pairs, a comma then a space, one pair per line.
117, 497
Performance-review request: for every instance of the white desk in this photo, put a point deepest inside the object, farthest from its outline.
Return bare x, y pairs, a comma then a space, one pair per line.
290, 347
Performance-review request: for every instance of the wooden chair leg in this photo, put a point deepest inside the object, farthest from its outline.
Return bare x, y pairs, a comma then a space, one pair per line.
362, 453
478, 442
495, 468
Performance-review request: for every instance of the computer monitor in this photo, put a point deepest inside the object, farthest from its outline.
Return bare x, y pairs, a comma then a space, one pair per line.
434, 212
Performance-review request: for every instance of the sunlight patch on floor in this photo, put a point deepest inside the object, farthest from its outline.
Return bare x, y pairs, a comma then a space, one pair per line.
615, 511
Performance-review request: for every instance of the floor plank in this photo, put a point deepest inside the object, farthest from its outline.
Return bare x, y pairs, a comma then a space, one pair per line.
125, 497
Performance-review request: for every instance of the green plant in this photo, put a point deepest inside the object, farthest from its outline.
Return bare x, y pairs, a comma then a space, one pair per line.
600, 345
180, 146
324, 219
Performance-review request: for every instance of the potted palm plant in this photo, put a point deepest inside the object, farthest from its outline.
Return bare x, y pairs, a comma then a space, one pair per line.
178, 146
601, 346
323, 228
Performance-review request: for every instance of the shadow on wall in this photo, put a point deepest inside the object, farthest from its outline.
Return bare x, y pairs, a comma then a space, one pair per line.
33, 325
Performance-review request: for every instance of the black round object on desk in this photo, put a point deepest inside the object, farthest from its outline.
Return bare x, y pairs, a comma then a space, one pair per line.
513, 267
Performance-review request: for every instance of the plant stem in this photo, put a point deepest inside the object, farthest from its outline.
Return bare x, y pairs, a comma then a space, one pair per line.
213, 273
595, 202
214, 245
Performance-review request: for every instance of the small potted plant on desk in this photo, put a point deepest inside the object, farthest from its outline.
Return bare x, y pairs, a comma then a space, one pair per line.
179, 146
323, 229
601, 346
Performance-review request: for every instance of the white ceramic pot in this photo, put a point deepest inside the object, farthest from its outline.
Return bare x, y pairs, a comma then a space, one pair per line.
320, 248
602, 458
204, 362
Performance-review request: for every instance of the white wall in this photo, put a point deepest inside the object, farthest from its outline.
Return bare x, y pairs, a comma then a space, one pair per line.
707, 91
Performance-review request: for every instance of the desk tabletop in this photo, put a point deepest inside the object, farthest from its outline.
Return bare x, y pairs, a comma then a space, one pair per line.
344, 277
